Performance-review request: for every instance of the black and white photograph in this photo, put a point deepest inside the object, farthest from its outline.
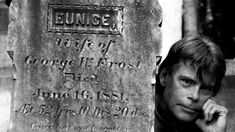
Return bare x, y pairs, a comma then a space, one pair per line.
117, 66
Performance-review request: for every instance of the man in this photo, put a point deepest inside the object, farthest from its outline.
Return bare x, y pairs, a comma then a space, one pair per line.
187, 81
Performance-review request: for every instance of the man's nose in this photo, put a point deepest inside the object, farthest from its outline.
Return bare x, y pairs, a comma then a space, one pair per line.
194, 94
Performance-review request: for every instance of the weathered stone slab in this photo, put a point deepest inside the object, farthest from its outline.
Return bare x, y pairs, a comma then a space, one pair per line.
84, 65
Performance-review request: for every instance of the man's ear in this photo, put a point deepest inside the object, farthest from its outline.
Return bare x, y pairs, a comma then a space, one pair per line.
162, 77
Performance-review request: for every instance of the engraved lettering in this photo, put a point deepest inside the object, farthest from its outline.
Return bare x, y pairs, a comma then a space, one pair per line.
98, 112
69, 80
44, 62
71, 63
50, 95
88, 19
45, 109
80, 19
59, 18
85, 19
83, 44
69, 75
134, 112
84, 62
118, 111
122, 65
69, 18
138, 64
84, 110
94, 78
25, 108
110, 96
58, 112
77, 95
159, 58
125, 111
58, 42
106, 47
36, 125
95, 19
64, 110
85, 94
106, 20
63, 63
102, 62
67, 43
28, 60
115, 96
43, 126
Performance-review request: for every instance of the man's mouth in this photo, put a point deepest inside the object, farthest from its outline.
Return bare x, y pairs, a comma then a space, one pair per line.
188, 109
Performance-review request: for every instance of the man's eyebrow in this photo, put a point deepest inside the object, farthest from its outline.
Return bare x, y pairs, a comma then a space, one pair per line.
188, 78
208, 86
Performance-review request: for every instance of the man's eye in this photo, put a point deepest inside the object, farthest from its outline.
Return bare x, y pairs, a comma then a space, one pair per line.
207, 89
186, 82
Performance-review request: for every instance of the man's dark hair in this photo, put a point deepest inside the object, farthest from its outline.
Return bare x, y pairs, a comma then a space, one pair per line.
202, 54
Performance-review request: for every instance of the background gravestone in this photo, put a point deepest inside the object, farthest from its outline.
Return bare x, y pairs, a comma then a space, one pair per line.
84, 65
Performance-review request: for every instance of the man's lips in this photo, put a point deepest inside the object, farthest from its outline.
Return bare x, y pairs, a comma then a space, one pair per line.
189, 109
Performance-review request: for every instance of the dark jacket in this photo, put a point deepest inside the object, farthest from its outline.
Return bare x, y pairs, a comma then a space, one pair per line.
163, 126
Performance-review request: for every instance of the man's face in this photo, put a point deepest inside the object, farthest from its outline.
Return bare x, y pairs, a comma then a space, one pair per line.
184, 95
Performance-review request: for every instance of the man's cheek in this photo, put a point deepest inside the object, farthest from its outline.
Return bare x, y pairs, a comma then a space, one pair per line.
202, 101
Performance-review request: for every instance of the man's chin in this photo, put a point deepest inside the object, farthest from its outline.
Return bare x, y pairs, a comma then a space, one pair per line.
185, 117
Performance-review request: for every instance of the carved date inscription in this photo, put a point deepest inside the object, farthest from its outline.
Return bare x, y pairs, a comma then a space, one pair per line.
90, 19
81, 110
111, 96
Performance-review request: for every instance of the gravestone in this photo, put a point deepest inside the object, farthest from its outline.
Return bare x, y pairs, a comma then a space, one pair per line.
84, 65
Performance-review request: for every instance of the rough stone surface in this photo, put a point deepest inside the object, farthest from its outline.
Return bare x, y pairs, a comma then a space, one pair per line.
84, 65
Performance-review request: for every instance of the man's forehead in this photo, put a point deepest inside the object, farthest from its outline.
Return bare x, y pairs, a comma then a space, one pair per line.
184, 69
188, 70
